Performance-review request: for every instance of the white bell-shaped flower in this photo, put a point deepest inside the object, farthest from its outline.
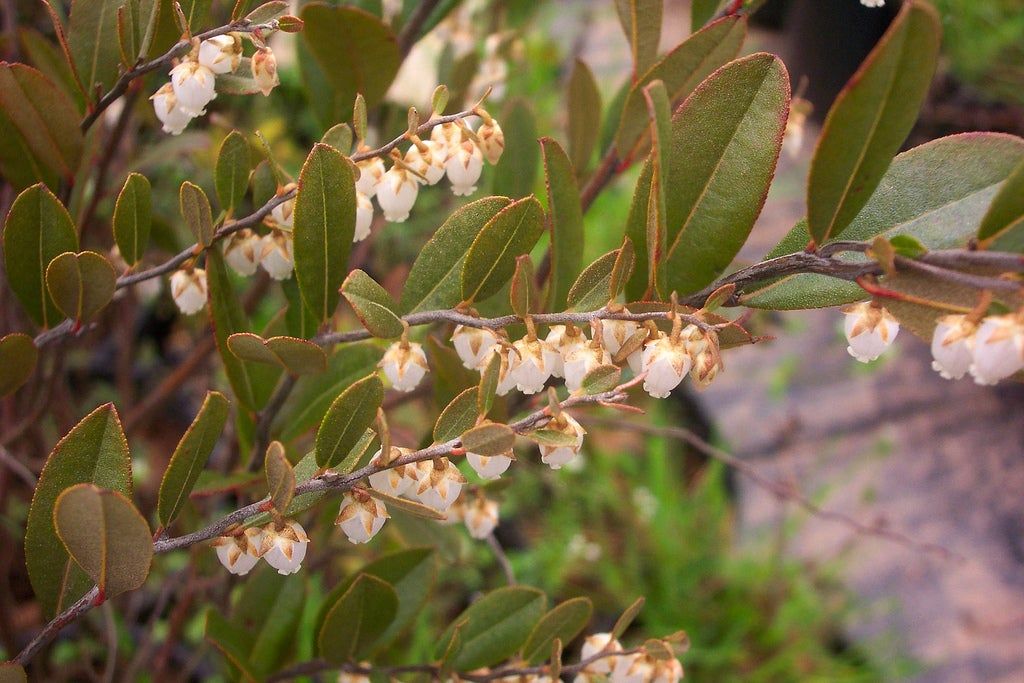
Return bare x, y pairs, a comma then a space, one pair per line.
582, 360
596, 644
439, 483
236, 553
371, 173
473, 344
188, 289
396, 193
463, 168
393, 481
492, 140
562, 340
404, 364
635, 668
284, 213
242, 251
455, 513
531, 366
364, 217
490, 466
285, 548
447, 137
193, 87
998, 348
667, 671
165, 105
481, 517
429, 161
615, 333
277, 255
506, 374
870, 330
264, 70
361, 516
557, 456
666, 362
221, 54
953, 346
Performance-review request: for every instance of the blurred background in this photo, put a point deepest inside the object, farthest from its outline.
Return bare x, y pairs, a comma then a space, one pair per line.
766, 591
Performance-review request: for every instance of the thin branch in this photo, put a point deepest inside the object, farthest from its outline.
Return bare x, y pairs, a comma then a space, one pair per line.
262, 437
782, 490
502, 558
411, 31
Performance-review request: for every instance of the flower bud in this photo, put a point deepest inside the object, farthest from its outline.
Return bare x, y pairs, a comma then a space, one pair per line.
242, 251
998, 348
393, 481
438, 483
481, 517
492, 141
188, 289
667, 671
361, 516
563, 340
597, 644
707, 356
371, 172
489, 466
953, 346
165, 105
276, 255
221, 54
193, 87
557, 456
404, 364
635, 668
284, 213
531, 366
396, 193
463, 168
582, 360
473, 344
870, 330
264, 70
285, 549
428, 162
666, 362
364, 217
237, 553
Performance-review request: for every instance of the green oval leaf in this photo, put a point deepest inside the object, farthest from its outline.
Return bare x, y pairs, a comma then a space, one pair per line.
106, 536
38, 229
491, 259
564, 622
494, 627
489, 439
583, 101
590, 291
190, 456
325, 220
349, 416
434, 282
1002, 228
18, 356
566, 220
297, 356
339, 137
726, 139
457, 417
641, 21
231, 176
280, 477
521, 294
359, 617
80, 285
600, 379
133, 217
870, 120
93, 42
372, 304
488, 387
95, 451
195, 209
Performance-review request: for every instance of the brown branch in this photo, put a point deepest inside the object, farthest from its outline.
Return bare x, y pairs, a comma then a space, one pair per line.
502, 559
410, 33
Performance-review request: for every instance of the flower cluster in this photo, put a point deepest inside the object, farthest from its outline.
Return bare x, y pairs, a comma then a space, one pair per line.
193, 79
991, 349
635, 667
283, 546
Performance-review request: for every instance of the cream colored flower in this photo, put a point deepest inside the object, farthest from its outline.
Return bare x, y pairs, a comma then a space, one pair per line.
405, 365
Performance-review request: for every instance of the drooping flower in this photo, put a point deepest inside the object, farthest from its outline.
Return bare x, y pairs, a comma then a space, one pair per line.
404, 364
427, 159
221, 54
596, 644
193, 86
463, 167
264, 70
506, 376
439, 483
706, 354
615, 333
448, 136
490, 466
396, 193
237, 553
396, 480
165, 105
666, 361
667, 671
635, 668
473, 344
557, 456
361, 516
277, 256
480, 517
531, 366
242, 251
284, 213
870, 330
285, 548
492, 140
582, 360
563, 340
998, 348
371, 172
188, 289
364, 217
953, 346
